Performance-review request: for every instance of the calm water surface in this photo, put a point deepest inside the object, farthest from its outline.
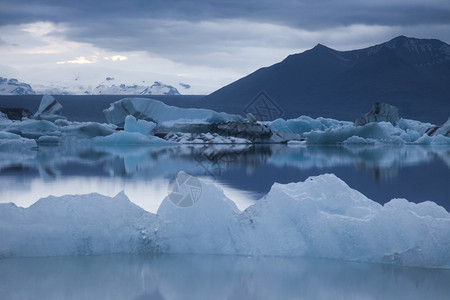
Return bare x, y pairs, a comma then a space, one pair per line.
245, 172
214, 277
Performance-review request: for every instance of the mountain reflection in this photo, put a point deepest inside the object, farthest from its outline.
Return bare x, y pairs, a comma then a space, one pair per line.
212, 160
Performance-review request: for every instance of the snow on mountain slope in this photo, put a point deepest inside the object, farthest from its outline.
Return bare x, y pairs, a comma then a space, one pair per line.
157, 88
12, 86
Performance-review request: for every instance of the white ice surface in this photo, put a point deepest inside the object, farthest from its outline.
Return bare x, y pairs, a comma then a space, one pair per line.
11, 141
330, 131
407, 132
304, 124
141, 126
321, 217
49, 109
162, 114
142, 116
77, 225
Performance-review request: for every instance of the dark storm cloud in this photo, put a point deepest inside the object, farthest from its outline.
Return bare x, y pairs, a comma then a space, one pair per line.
177, 28
309, 14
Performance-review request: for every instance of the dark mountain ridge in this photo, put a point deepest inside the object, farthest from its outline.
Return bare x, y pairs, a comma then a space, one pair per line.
412, 74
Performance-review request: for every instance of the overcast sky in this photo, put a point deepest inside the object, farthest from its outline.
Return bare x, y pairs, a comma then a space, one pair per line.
206, 44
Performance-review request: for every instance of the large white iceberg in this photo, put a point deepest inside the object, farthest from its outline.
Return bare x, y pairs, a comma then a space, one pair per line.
162, 114
320, 217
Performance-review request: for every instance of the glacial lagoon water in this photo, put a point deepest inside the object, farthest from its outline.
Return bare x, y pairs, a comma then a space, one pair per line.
246, 173
214, 277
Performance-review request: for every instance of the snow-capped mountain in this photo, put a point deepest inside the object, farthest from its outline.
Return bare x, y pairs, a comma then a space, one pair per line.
12, 86
15, 87
412, 74
157, 88
58, 90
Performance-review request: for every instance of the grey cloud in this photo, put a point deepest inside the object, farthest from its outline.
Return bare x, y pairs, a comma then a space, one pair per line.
180, 29
4, 43
303, 13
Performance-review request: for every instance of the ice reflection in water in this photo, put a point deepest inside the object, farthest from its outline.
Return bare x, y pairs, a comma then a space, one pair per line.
247, 172
214, 277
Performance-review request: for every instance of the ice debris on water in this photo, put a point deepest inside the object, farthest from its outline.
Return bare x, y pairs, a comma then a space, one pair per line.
142, 121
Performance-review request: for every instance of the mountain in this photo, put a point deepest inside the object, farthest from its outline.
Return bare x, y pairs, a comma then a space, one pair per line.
412, 74
14, 87
157, 88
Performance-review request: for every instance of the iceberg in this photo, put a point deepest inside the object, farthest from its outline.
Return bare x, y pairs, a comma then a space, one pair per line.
382, 131
129, 138
380, 112
11, 141
405, 132
204, 138
320, 217
49, 109
77, 225
141, 126
304, 124
440, 130
149, 117
162, 114
383, 128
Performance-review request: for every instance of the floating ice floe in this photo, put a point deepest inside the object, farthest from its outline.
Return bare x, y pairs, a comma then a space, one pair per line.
320, 217
304, 124
329, 131
162, 114
381, 125
136, 132
141, 126
14, 142
148, 121
204, 138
